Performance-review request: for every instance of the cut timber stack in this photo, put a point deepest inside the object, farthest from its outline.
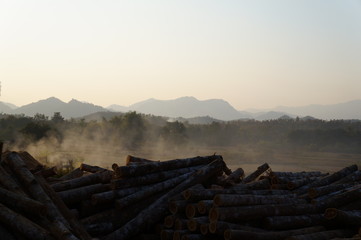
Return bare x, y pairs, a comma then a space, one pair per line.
191, 198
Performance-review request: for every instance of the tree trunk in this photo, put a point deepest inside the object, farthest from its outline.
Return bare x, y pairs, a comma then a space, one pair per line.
325, 235
253, 176
193, 224
157, 210
129, 171
79, 194
344, 217
204, 206
292, 222
91, 169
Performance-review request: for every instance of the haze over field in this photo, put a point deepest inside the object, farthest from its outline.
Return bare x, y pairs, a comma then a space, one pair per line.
252, 54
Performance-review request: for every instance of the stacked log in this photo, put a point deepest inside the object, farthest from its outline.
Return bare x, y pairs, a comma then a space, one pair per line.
190, 198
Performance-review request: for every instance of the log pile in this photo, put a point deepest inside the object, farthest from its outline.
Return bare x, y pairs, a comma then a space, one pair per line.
191, 198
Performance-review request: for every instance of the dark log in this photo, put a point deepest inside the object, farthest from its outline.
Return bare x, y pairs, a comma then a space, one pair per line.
177, 206
292, 222
22, 203
9, 183
151, 178
76, 173
329, 179
297, 174
75, 225
259, 185
294, 184
195, 223
177, 235
240, 214
239, 200
6, 234
324, 190
338, 200
279, 186
196, 195
241, 234
195, 237
99, 177
156, 188
91, 169
353, 177
219, 227
128, 171
191, 210
325, 235
203, 228
87, 208
166, 234
131, 159
253, 176
344, 217
47, 172
98, 229
156, 211
169, 220
31, 163
106, 215
79, 194
109, 196
22, 225
180, 224
204, 206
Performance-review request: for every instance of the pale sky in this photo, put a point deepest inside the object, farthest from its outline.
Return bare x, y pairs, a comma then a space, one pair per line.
253, 54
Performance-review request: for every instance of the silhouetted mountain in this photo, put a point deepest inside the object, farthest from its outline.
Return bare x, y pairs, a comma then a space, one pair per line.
5, 108
48, 106
189, 107
347, 110
197, 120
270, 115
118, 108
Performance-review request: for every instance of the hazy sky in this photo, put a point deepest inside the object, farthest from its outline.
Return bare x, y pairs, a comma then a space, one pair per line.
253, 54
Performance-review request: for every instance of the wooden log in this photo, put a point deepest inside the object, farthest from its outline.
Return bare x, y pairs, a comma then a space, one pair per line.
351, 178
292, 222
195, 237
271, 235
259, 185
152, 177
191, 210
169, 220
177, 206
157, 210
99, 177
219, 227
240, 214
76, 173
204, 206
298, 174
128, 171
109, 196
253, 176
240, 199
324, 235
338, 200
156, 188
47, 172
132, 159
5, 233
87, 208
91, 169
180, 223
75, 195
329, 179
9, 183
294, 184
31, 163
106, 215
71, 219
347, 218
22, 203
325, 190
98, 229
166, 234
196, 195
203, 228
279, 186
22, 225
195, 223
178, 234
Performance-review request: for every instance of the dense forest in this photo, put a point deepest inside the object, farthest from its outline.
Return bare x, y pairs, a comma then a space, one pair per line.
133, 131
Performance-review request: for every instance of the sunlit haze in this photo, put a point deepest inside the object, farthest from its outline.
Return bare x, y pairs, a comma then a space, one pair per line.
253, 54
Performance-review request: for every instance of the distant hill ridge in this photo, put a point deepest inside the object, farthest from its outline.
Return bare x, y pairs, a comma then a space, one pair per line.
186, 108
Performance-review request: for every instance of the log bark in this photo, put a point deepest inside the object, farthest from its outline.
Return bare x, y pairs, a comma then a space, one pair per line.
75, 225
191, 210
347, 218
76, 173
131, 159
177, 206
91, 169
325, 235
22, 225
275, 235
241, 200
240, 214
325, 190
292, 222
219, 227
47, 172
180, 224
341, 199
253, 176
156, 188
204, 206
353, 177
166, 234
99, 177
129, 171
157, 210
9, 183
297, 174
329, 179
194, 224
22, 203
109, 196
75, 195
151, 178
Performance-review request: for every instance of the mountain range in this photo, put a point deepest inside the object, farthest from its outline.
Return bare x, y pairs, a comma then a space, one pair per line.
186, 108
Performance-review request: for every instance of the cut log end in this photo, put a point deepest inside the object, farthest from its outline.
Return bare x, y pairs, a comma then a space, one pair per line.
331, 213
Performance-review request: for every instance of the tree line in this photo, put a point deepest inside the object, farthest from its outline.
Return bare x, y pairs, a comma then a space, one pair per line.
134, 130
